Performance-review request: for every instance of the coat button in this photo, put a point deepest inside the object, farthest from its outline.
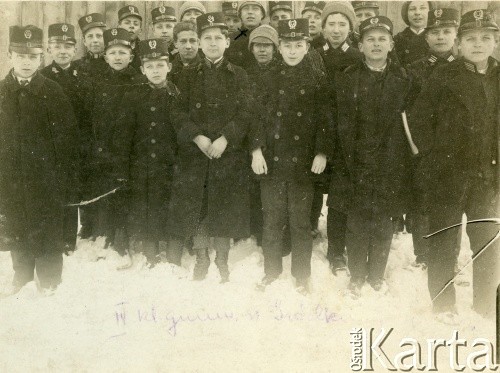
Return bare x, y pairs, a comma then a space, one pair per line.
493, 161
278, 113
299, 114
407, 51
198, 105
153, 108
104, 94
153, 124
282, 72
276, 159
294, 159
277, 137
302, 91
480, 174
296, 137
153, 141
282, 92
100, 149
153, 155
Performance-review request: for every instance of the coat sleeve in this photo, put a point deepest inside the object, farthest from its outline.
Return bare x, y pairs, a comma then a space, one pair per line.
123, 137
324, 119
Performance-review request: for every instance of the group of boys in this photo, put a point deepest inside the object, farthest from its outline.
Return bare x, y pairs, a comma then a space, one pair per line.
159, 138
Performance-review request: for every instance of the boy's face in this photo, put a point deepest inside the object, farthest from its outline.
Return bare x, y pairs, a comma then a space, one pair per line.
213, 43
187, 44
293, 51
132, 25
62, 53
336, 28
118, 57
375, 45
263, 52
251, 15
25, 64
164, 30
364, 13
477, 45
156, 70
417, 14
314, 22
191, 15
93, 40
279, 15
233, 22
441, 39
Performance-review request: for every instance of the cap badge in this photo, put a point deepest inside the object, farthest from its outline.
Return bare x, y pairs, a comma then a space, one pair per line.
234, 4
114, 32
64, 28
478, 14
152, 44
131, 9
374, 21
88, 19
210, 19
438, 13
27, 34
162, 9
292, 24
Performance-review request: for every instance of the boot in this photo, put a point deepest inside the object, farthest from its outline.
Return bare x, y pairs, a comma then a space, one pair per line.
221, 259
202, 264
174, 251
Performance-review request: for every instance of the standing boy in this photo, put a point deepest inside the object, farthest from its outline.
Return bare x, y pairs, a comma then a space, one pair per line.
363, 10
38, 163
130, 20
164, 21
210, 191
92, 65
187, 43
371, 153
289, 146
279, 10
455, 125
312, 11
230, 10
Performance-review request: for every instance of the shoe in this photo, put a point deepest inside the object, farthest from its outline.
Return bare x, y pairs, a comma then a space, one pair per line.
124, 261
265, 282
379, 285
221, 259
420, 262
9, 290
48, 292
338, 264
302, 286
355, 286
202, 264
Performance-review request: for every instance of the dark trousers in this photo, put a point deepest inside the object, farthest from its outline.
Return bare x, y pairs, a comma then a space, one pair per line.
478, 202
109, 221
368, 241
70, 227
336, 230
287, 203
256, 219
48, 266
317, 205
88, 216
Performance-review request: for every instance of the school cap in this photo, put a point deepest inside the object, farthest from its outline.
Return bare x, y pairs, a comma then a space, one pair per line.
163, 13
364, 4
264, 34
343, 7
277, 5
62, 33
379, 22
116, 36
90, 21
258, 3
477, 19
443, 17
230, 8
209, 20
26, 39
189, 5
153, 49
128, 10
316, 6
297, 28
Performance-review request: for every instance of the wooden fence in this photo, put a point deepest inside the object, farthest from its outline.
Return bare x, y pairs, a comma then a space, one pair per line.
44, 13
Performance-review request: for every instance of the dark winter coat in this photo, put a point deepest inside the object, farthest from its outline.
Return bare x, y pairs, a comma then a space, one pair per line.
296, 117
91, 66
318, 41
178, 67
338, 59
104, 99
454, 124
38, 160
213, 102
238, 53
146, 147
391, 151
410, 47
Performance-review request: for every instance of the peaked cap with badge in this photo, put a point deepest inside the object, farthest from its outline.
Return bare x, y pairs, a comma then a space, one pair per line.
296, 28
364, 4
163, 13
90, 21
277, 5
127, 11
443, 17
209, 20
478, 19
153, 49
116, 36
230, 8
316, 6
379, 22
62, 33
26, 39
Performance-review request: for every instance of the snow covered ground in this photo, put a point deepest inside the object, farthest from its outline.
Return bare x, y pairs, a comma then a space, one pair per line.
158, 320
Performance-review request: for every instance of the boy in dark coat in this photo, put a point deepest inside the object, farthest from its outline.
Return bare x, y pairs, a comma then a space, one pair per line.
312, 11
363, 10
92, 65
290, 146
455, 125
164, 21
279, 10
371, 153
146, 148
187, 43
38, 163
230, 10
210, 191
130, 20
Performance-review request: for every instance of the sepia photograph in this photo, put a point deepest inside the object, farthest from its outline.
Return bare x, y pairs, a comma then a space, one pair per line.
249, 186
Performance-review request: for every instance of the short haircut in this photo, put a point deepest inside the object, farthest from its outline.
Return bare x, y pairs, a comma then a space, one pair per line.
184, 26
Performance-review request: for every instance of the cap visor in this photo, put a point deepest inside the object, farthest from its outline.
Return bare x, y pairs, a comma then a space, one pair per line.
26, 50
262, 40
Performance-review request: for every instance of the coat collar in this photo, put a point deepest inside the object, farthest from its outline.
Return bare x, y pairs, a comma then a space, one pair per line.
342, 47
225, 65
35, 86
434, 59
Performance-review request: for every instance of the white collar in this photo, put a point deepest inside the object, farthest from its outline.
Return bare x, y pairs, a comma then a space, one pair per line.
377, 69
417, 32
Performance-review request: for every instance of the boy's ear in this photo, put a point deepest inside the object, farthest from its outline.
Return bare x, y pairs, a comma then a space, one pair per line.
228, 41
142, 70
392, 45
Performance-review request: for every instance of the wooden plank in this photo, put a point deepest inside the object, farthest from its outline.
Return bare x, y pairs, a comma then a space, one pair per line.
111, 12
96, 7
74, 11
32, 13
10, 15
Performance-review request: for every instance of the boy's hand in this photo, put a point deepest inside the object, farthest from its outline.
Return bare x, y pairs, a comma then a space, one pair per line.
319, 164
217, 148
204, 144
259, 165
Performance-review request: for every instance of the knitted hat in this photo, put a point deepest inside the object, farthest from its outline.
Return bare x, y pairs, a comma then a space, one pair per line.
188, 5
406, 5
263, 34
258, 3
343, 7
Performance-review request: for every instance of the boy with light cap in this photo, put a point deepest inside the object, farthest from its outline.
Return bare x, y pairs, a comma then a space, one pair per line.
289, 147
92, 65
454, 123
363, 10
279, 10
371, 156
190, 10
130, 20
38, 165
164, 20
312, 11
230, 10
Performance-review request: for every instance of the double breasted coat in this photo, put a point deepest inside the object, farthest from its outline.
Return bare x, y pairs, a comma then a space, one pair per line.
214, 101
38, 161
410, 46
91, 66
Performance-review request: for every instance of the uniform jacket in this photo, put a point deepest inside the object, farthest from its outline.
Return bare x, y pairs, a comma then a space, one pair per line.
409, 46
38, 160
295, 121
338, 59
213, 102
318, 41
178, 67
238, 52
455, 127
146, 148
393, 152
91, 66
